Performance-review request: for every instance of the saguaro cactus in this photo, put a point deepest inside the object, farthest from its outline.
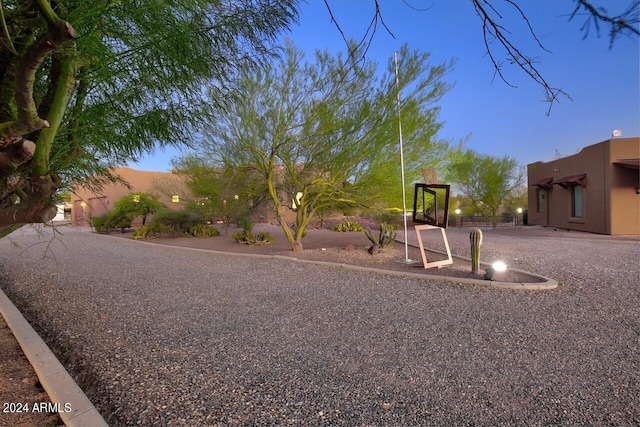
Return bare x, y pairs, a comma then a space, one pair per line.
476, 241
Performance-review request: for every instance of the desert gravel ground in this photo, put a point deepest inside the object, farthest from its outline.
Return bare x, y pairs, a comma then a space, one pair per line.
160, 335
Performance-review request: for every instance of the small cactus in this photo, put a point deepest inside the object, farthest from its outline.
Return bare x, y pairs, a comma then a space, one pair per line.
476, 241
385, 238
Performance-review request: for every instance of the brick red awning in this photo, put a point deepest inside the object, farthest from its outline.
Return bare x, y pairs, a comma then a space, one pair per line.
579, 179
544, 183
628, 163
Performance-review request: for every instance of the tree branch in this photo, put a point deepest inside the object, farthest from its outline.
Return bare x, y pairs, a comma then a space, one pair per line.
58, 32
492, 30
64, 87
367, 38
16, 152
626, 22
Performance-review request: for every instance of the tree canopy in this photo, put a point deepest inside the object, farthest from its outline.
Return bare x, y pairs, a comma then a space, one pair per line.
87, 85
487, 181
328, 129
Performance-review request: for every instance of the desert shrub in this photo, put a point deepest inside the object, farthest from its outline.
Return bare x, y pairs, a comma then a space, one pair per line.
101, 223
390, 227
242, 237
346, 226
175, 222
111, 221
120, 220
249, 238
202, 230
145, 232
264, 237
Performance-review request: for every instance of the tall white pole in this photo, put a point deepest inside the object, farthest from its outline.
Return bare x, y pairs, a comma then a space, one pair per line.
404, 203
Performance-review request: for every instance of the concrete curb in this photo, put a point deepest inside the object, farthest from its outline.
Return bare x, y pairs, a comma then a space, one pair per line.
75, 409
545, 284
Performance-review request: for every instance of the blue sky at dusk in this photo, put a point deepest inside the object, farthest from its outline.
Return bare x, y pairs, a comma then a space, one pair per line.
499, 120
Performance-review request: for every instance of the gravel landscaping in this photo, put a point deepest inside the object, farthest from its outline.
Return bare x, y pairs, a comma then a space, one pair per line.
159, 335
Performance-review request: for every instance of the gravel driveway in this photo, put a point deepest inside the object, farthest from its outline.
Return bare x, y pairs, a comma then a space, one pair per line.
165, 336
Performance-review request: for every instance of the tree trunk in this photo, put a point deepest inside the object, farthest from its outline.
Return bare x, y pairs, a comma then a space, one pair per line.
34, 211
296, 245
32, 202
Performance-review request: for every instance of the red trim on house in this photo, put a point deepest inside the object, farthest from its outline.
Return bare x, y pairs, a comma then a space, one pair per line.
544, 183
573, 179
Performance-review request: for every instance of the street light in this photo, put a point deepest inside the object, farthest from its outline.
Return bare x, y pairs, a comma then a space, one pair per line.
519, 210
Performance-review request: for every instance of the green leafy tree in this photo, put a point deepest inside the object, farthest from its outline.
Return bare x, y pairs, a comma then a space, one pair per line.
226, 193
86, 85
328, 131
487, 181
138, 204
518, 199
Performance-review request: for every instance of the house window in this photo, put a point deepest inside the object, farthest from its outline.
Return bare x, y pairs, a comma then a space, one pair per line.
576, 201
540, 197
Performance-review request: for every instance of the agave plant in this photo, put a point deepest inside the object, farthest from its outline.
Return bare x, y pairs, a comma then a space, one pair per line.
384, 238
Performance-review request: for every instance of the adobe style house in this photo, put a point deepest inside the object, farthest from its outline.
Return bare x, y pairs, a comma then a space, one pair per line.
86, 203
171, 189
596, 190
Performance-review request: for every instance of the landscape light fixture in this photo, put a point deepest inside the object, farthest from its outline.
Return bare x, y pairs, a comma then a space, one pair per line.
496, 266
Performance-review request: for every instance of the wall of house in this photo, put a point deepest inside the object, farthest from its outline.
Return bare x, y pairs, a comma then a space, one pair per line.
608, 192
86, 203
625, 181
558, 200
536, 173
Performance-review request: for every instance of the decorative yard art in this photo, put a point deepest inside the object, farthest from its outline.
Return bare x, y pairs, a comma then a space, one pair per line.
430, 212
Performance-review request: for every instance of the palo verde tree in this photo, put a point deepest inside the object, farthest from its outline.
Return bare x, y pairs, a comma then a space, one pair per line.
86, 85
487, 181
327, 131
227, 193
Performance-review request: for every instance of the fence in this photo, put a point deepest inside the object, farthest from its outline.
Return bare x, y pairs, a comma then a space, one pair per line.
487, 221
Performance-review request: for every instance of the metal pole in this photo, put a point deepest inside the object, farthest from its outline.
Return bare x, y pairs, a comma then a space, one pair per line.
404, 203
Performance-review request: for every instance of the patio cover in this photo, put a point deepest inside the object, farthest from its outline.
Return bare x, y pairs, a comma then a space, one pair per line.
544, 183
628, 163
573, 179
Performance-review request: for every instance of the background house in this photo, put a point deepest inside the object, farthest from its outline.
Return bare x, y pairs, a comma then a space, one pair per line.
87, 203
170, 189
596, 190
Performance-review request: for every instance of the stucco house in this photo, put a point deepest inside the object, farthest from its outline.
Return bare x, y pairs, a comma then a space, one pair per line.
596, 190
87, 203
170, 189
